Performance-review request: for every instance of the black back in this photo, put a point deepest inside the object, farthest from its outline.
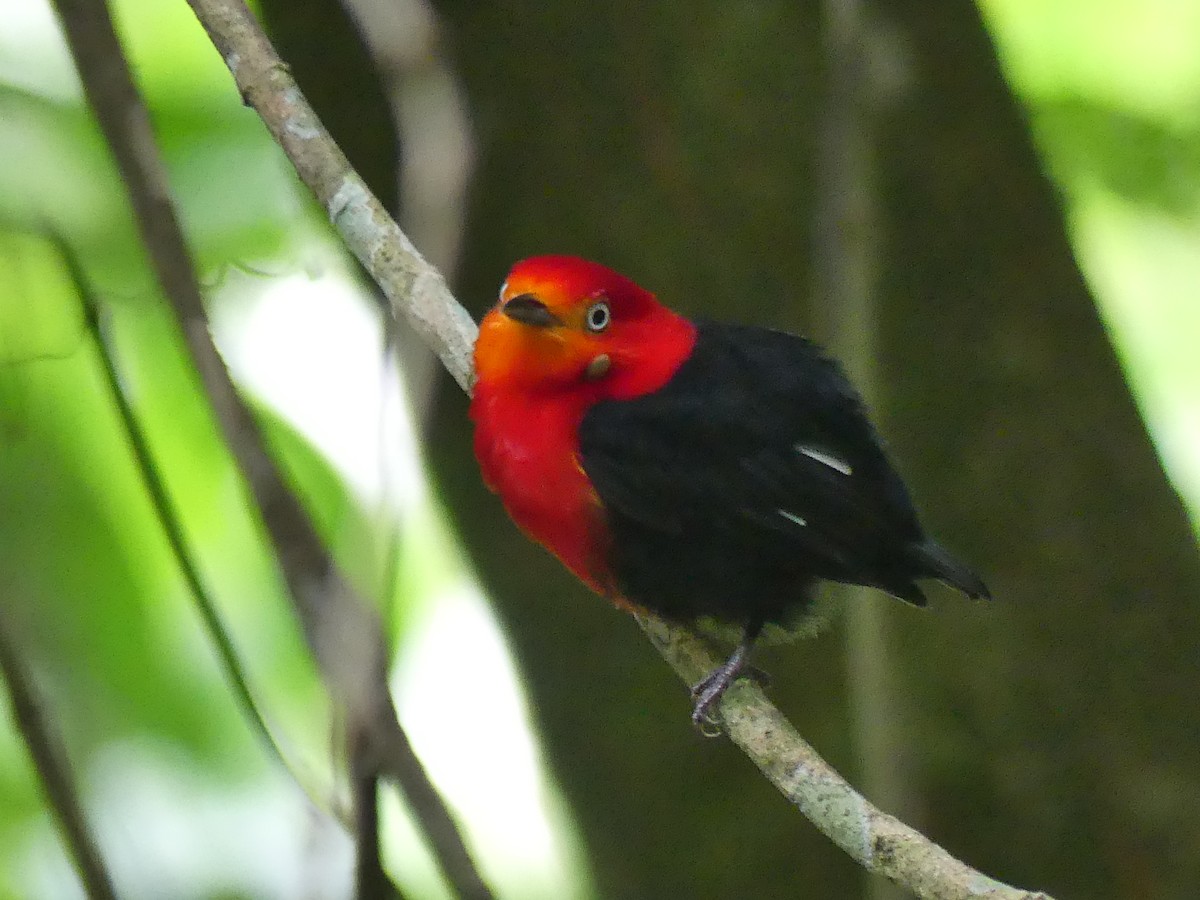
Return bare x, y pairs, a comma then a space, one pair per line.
753, 472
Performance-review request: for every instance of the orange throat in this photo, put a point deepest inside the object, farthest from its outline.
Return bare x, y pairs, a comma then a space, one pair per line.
533, 390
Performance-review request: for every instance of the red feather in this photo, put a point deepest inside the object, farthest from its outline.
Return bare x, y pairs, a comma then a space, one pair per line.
693, 470
527, 411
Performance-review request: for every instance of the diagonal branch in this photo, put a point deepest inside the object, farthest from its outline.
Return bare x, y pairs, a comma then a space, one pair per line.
53, 769
874, 839
370, 879
416, 290
342, 630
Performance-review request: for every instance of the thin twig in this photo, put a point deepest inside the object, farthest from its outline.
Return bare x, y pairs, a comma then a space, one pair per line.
370, 880
342, 630
49, 759
172, 527
848, 240
877, 841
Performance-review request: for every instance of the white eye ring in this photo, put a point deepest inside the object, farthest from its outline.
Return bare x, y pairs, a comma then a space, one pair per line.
598, 316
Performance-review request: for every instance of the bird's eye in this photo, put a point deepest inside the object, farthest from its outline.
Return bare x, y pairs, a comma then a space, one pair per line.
598, 316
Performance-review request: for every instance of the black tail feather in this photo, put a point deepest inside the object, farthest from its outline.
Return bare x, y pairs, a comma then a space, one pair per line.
933, 560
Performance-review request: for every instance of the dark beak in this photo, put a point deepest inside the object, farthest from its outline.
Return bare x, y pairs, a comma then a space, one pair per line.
529, 310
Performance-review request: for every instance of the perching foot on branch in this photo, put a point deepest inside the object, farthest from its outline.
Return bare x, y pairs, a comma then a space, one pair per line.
418, 291
707, 692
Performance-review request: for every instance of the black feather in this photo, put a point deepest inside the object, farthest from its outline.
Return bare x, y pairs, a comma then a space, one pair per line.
751, 474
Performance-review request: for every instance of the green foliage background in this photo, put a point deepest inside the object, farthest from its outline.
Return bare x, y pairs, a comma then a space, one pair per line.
1111, 90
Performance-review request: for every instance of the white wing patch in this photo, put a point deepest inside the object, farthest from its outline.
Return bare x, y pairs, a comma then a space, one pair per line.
825, 459
792, 517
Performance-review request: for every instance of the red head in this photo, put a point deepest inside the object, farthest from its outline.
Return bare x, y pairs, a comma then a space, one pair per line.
565, 334
565, 325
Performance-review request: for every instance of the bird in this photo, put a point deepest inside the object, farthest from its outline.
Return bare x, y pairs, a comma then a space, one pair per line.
699, 470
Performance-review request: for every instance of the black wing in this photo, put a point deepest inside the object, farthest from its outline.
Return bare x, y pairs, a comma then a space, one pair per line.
753, 469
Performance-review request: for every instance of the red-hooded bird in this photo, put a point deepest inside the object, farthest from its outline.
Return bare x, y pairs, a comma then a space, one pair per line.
694, 469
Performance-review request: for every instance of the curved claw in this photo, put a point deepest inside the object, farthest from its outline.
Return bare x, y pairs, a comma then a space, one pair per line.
707, 726
707, 693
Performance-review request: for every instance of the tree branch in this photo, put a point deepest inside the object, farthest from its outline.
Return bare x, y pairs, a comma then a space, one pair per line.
847, 242
342, 630
52, 767
370, 880
874, 839
415, 289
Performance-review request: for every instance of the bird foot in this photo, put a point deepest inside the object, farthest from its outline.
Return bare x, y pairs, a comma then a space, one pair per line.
707, 693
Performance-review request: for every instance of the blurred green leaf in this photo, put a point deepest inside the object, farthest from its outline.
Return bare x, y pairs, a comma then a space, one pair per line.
1142, 159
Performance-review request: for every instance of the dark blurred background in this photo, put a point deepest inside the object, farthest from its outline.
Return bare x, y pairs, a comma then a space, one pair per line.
990, 212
